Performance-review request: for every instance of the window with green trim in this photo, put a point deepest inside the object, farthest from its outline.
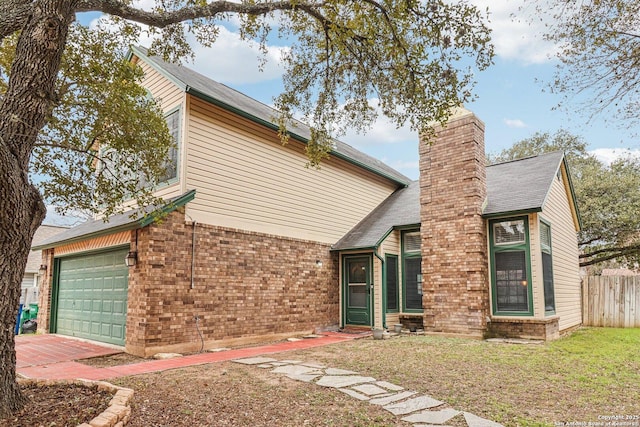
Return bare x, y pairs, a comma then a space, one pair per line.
547, 268
511, 277
171, 165
111, 162
412, 271
391, 292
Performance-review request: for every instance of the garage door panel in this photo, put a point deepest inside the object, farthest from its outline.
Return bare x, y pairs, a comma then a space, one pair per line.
92, 296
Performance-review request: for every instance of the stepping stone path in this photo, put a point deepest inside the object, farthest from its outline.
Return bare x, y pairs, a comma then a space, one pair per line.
421, 410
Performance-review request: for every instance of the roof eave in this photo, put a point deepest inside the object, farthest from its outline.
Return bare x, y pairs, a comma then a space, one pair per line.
156, 67
574, 202
132, 225
359, 248
112, 230
512, 213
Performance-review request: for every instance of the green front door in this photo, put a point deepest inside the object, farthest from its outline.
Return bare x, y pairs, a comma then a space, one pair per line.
357, 297
92, 296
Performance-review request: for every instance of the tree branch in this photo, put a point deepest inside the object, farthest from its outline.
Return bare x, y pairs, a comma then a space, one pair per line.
166, 18
612, 253
605, 250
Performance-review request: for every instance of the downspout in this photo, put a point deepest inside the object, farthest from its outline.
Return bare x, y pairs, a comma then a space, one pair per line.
384, 308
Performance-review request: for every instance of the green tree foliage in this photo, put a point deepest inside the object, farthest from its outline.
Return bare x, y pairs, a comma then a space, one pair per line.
72, 111
105, 136
598, 45
607, 196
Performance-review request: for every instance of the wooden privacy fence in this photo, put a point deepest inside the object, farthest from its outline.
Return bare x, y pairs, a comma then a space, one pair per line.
612, 301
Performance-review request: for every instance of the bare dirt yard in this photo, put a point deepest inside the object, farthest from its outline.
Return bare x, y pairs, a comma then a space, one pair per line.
588, 377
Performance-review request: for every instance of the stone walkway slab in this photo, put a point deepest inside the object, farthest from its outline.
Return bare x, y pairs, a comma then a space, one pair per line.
389, 386
335, 371
307, 378
432, 417
392, 398
339, 381
369, 389
255, 360
296, 370
476, 421
353, 393
314, 365
413, 405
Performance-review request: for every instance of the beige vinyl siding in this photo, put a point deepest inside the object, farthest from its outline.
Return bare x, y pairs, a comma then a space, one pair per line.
170, 97
246, 179
377, 293
564, 250
391, 246
162, 89
175, 189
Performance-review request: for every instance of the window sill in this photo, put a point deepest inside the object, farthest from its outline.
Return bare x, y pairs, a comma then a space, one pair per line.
410, 315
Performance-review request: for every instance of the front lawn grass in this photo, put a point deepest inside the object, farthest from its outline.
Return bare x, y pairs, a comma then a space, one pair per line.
590, 374
587, 377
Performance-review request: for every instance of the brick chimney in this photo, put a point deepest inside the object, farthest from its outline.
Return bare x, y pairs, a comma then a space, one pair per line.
454, 242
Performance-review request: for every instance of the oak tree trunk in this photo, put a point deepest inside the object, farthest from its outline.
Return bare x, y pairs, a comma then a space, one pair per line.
24, 109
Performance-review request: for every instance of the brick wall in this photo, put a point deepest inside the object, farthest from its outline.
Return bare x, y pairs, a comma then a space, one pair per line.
454, 248
44, 292
246, 286
537, 329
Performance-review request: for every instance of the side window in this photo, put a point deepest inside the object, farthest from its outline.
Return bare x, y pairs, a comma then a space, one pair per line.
412, 271
547, 268
173, 123
110, 158
391, 262
511, 277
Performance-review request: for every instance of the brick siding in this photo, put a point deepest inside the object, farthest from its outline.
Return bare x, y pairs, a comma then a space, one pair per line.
454, 246
245, 284
538, 329
45, 292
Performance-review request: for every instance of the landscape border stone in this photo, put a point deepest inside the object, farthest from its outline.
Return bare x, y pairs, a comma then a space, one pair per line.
117, 413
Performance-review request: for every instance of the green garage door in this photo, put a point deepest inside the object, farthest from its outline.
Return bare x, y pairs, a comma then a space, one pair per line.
92, 296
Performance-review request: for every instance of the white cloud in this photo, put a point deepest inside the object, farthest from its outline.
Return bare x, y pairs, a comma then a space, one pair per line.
517, 30
234, 61
608, 155
229, 60
514, 123
383, 131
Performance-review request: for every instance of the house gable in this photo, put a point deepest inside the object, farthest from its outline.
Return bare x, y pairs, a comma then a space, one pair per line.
231, 153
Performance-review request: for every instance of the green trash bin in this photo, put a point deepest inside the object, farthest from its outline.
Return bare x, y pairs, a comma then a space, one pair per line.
24, 316
33, 311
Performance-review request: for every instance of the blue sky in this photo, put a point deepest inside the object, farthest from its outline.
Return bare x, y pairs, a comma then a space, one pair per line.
512, 100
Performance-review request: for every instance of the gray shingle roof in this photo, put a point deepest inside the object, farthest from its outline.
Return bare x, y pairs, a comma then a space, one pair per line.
121, 222
44, 232
230, 99
519, 185
400, 208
